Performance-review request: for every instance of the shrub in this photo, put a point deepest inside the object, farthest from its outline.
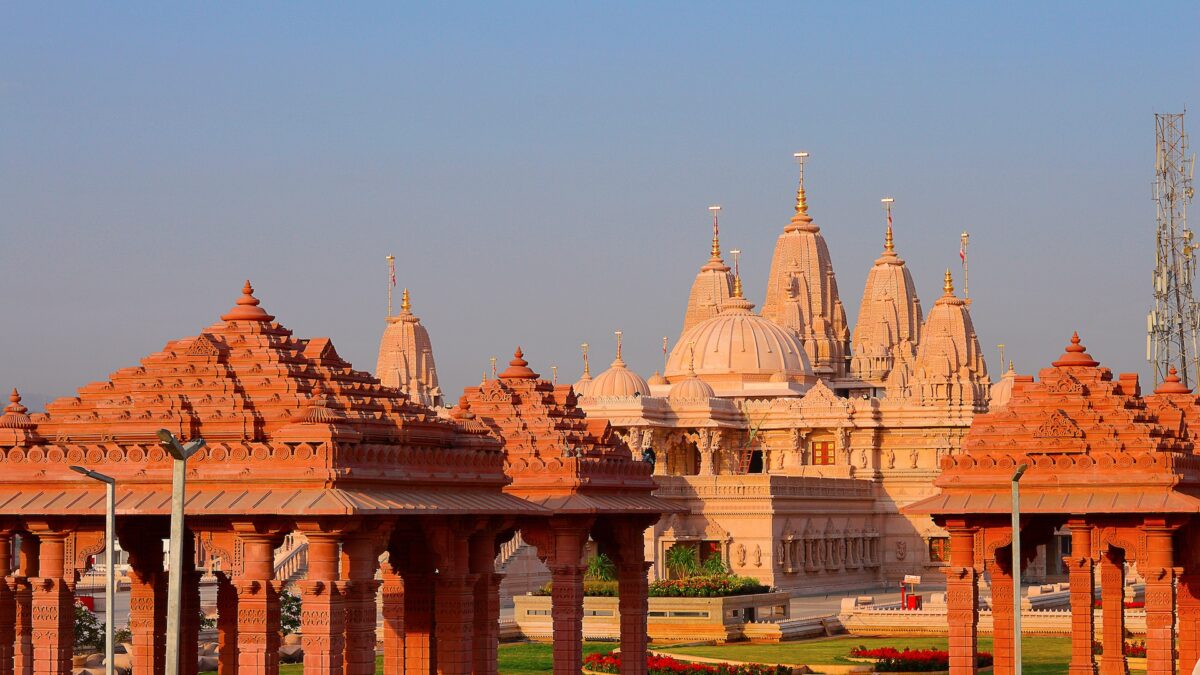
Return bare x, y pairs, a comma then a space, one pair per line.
714, 565
665, 665
600, 568
88, 629
682, 560
714, 586
596, 589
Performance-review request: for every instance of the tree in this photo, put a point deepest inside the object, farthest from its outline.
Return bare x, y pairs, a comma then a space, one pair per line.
88, 629
289, 612
600, 568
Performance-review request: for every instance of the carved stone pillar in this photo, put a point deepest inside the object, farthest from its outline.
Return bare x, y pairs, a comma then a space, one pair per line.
323, 618
962, 599
227, 622
1000, 572
393, 620
707, 446
360, 560
258, 605
560, 543
454, 621
23, 606
419, 656
53, 614
1112, 600
8, 608
189, 639
1081, 572
634, 608
1159, 570
147, 602
1189, 622
487, 602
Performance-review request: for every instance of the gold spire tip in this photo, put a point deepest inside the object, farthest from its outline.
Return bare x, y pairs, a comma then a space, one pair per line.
405, 305
801, 197
948, 286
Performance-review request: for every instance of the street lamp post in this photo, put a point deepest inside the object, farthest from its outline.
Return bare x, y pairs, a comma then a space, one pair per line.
110, 583
180, 453
1016, 566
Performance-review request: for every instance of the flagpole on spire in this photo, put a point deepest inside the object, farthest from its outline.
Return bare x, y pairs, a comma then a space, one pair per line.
801, 198
665, 342
888, 245
716, 240
737, 273
391, 280
963, 240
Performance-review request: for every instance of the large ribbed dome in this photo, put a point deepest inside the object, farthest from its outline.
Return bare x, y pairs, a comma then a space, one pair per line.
737, 344
618, 380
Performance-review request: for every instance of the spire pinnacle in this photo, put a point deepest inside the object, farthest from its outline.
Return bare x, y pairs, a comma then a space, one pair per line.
716, 239
587, 372
691, 358
405, 305
801, 198
948, 284
618, 361
888, 244
247, 308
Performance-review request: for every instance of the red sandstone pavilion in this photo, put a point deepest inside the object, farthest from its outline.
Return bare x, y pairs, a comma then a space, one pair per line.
1116, 469
300, 442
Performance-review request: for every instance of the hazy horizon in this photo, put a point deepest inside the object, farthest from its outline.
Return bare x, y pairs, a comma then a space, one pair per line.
542, 172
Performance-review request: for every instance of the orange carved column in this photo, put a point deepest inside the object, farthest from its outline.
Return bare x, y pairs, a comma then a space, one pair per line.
560, 543
1112, 600
360, 559
258, 605
23, 601
487, 602
454, 610
1000, 572
962, 598
323, 617
419, 657
53, 607
393, 620
8, 608
632, 589
1189, 621
227, 621
147, 602
1080, 569
189, 639
1159, 570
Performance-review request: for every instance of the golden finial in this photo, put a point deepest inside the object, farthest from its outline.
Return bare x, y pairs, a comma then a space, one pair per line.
493, 367
1001, 348
1010, 366
691, 358
801, 199
716, 242
618, 334
888, 244
554, 369
948, 286
737, 273
665, 342
405, 305
483, 379
586, 369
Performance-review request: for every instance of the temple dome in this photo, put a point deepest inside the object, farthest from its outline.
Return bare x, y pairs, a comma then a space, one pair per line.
690, 390
738, 345
618, 380
657, 379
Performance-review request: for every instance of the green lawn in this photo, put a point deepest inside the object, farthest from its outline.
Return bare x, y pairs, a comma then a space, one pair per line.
519, 658
1042, 656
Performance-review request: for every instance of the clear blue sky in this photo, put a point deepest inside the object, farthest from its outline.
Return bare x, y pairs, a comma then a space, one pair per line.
542, 171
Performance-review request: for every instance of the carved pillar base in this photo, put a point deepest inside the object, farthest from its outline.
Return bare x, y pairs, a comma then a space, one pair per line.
258, 605
1112, 600
632, 589
1159, 571
566, 609
454, 622
53, 613
486, 610
22, 625
322, 626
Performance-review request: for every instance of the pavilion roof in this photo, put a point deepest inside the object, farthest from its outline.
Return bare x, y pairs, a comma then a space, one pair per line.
288, 424
556, 456
1092, 443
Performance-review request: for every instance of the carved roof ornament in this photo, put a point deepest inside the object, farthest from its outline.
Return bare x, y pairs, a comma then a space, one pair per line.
518, 368
1059, 425
1171, 384
1075, 356
247, 308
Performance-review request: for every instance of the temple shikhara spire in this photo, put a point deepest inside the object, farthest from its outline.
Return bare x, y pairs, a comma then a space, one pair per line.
406, 357
713, 284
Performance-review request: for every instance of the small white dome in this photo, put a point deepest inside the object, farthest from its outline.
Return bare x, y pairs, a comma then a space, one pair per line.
691, 390
618, 381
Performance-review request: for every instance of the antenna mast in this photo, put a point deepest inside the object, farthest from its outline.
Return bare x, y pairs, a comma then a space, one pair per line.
1172, 324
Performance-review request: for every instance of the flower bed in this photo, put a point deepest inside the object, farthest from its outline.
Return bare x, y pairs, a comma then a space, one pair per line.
1131, 604
714, 586
892, 660
1135, 650
665, 665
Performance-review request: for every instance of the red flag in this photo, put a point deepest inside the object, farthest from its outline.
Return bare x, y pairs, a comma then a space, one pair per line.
962, 252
